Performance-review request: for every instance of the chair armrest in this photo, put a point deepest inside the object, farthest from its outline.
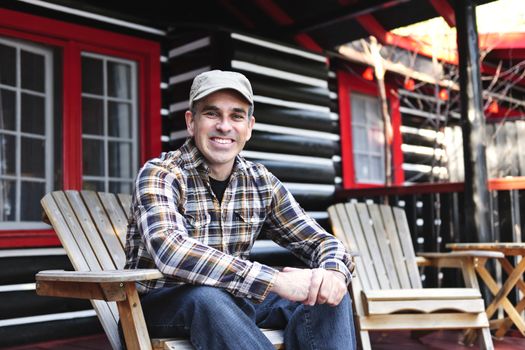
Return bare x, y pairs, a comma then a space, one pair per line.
454, 259
107, 276
114, 285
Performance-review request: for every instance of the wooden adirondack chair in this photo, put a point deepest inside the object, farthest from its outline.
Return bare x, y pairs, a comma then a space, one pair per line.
92, 229
388, 294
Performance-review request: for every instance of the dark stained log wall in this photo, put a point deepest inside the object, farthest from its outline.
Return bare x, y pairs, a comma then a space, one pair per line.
26, 317
296, 136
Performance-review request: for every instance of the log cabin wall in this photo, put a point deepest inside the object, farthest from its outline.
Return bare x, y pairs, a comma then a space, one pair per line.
296, 136
432, 146
26, 317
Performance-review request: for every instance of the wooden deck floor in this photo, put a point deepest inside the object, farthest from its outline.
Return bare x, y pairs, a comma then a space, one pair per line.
442, 340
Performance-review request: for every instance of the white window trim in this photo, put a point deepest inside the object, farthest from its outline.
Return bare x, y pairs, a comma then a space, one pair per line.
48, 135
133, 100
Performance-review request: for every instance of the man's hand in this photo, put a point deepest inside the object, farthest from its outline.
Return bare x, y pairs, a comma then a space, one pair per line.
293, 284
327, 287
317, 286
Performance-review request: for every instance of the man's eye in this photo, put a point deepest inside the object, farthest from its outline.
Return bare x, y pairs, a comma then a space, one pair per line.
238, 117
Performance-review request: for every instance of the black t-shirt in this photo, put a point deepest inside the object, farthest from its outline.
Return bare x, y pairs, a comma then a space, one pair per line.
218, 187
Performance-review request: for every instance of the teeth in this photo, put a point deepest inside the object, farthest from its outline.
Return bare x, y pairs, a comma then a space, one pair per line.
223, 141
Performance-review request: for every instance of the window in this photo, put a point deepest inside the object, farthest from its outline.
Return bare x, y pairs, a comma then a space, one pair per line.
368, 139
362, 133
26, 149
79, 108
109, 123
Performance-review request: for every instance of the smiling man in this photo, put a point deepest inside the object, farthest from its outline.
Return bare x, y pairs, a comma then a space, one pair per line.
196, 213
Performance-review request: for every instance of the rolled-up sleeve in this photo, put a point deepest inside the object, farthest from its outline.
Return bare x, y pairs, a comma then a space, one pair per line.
290, 227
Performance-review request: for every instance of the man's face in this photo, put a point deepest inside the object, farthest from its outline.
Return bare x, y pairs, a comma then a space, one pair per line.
220, 127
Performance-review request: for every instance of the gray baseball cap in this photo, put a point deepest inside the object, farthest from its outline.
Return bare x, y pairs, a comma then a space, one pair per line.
209, 82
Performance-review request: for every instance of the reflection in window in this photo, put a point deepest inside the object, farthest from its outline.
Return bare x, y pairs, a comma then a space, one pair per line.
26, 156
367, 139
109, 123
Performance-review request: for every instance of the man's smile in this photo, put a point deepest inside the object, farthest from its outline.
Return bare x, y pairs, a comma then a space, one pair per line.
222, 141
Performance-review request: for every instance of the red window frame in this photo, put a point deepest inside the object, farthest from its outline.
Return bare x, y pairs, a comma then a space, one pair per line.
349, 84
72, 39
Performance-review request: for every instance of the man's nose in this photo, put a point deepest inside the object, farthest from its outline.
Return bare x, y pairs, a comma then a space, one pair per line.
224, 125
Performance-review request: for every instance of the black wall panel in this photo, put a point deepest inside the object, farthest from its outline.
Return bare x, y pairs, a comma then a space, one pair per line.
291, 144
292, 107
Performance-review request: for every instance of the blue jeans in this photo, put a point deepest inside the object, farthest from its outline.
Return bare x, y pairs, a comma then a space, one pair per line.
214, 319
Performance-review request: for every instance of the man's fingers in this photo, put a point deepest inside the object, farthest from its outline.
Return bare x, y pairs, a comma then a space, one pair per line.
315, 285
338, 289
325, 291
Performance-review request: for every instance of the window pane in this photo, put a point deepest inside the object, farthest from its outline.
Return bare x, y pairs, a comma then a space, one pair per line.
31, 192
376, 141
119, 80
92, 116
119, 119
7, 65
368, 138
376, 169
93, 157
7, 200
7, 109
359, 139
373, 112
120, 159
358, 109
94, 186
7, 155
33, 157
119, 187
33, 71
33, 114
361, 167
92, 76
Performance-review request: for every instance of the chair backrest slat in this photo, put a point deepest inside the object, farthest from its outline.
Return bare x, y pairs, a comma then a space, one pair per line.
104, 228
340, 219
116, 215
373, 246
395, 246
407, 246
65, 223
383, 242
362, 244
89, 231
73, 238
125, 202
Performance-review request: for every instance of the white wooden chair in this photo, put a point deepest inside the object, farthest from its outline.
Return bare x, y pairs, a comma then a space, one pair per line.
92, 229
388, 293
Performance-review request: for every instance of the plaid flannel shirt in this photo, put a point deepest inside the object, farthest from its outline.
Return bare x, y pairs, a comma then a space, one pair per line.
178, 226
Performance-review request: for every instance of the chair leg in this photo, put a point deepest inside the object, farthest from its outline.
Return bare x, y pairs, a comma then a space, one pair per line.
485, 339
132, 320
364, 338
469, 337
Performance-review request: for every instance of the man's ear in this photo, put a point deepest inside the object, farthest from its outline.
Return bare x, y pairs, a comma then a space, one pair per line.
189, 122
250, 127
